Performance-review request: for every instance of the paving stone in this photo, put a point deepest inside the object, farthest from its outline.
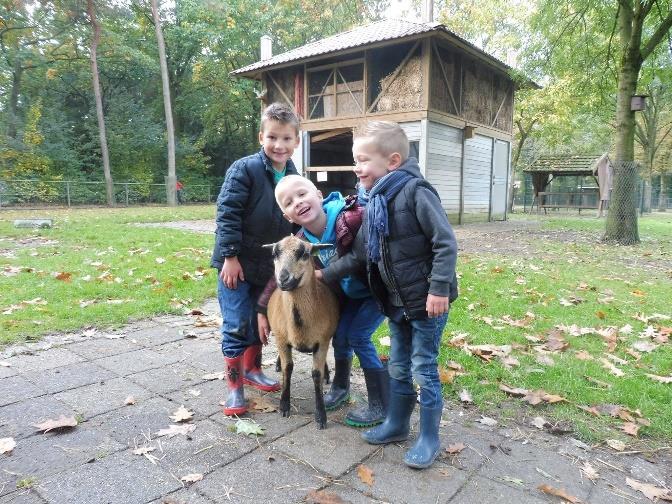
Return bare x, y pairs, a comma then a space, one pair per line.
69, 377
17, 388
332, 450
97, 398
203, 354
103, 347
395, 482
22, 497
121, 478
47, 359
351, 496
168, 379
483, 490
132, 424
17, 419
212, 393
156, 335
605, 493
134, 362
514, 460
6, 372
256, 478
183, 497
47, 454
208, 446
478, 445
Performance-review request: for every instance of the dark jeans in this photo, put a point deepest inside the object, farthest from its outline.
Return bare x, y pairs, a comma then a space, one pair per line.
359, 320
239, 325
413, 354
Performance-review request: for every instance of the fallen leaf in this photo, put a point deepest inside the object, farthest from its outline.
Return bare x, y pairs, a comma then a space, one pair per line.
214, 376
592, 409
194, 392
130, 400
558, 492
651, 492
491, 422
160, 260
539, 422
616, 444
515, 481
630, 428
600, 314
612, 369
144, 450
262, 404
638, 293
589, 471
644, 346
597, 382
61, 422
661, 379
63, 276
365, 474
583, 355
454, 449
446, 375
7, 444
182, 415
535, 397
516, 392
323, 497
249, 427
174, 430
465, 397
192, 478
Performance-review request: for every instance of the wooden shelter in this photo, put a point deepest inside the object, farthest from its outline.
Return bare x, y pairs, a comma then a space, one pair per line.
547, 168
454, 101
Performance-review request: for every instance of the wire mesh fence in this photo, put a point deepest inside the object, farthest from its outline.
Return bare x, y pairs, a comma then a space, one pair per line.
20, 193
625, 202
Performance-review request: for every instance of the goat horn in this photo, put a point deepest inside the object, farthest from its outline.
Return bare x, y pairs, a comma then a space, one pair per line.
268, 245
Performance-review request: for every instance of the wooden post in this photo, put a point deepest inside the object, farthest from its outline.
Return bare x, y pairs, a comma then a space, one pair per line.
126, 189
67, 192
464, 148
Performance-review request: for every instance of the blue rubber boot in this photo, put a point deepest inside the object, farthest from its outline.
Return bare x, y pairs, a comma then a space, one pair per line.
397, 424
423, 453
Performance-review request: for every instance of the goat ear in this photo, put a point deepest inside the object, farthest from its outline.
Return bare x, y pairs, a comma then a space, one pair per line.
320, 246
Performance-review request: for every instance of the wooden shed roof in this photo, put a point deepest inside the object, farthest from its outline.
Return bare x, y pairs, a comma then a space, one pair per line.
564, 164
380, 31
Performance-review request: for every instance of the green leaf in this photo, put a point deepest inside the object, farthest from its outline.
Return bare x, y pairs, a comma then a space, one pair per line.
249, 428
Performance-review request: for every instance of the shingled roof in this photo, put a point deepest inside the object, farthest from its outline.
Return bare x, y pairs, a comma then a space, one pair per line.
389, 29
564, 164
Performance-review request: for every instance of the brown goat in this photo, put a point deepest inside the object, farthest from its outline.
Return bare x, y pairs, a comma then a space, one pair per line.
303, 315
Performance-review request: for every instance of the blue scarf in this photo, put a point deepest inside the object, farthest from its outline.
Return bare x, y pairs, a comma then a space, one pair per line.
382, 192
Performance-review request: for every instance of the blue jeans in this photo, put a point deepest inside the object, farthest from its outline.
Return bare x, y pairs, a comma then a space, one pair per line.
359, 320
239, 327
413, 355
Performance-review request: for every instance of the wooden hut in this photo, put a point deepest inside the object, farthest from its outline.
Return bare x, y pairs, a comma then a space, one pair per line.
454, 101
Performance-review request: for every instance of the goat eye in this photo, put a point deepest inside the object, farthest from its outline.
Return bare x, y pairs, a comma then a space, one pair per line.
275, 252
306, 255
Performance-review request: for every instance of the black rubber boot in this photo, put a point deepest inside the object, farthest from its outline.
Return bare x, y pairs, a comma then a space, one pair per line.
397, 423
235, 403
378, 389
423, 453
340, 385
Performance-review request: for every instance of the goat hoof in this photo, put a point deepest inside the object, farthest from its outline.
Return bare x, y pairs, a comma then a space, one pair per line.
284, 410
321, 424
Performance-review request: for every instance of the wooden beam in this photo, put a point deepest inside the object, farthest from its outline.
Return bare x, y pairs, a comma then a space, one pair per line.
459, 122
506, 95
329, 168
332, 66
365, 101
282, 92
349, 91
326, 83
329, 134
395, 74
330, 123
445, 79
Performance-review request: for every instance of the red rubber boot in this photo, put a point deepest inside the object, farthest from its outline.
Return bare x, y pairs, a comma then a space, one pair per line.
252, 373
235, 403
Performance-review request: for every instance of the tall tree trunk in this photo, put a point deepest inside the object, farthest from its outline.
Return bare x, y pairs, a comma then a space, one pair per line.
622, 218
171, 180
109, 186
524, 133
662, 197
13, 117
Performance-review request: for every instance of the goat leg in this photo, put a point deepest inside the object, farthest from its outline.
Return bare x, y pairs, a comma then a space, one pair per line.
278, 365
287, 368
327, 380
319, 362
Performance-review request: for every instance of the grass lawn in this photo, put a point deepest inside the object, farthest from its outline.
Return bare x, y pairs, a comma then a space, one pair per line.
95, 267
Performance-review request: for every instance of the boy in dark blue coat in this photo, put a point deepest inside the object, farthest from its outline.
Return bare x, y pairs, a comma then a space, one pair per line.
410, 254
248, 217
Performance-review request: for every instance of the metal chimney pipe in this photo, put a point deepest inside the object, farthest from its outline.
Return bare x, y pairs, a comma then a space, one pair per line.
266, 47
427, 11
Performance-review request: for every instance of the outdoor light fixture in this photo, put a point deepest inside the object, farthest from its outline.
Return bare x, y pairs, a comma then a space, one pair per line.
638, 102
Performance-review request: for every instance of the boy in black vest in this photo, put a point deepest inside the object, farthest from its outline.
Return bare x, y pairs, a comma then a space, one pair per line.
248, 217
410, 253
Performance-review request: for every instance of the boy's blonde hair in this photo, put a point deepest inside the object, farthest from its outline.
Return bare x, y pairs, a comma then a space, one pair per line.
289, 179
281, 113
387, 136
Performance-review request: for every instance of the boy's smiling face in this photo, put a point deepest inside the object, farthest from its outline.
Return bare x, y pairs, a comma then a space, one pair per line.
278, 141
370, 163
301, 203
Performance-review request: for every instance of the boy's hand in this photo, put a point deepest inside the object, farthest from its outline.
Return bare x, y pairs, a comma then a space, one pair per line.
318, 274
437, 305
232, 271
264, 328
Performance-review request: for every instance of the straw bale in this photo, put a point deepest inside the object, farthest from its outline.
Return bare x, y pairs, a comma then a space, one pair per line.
405, 91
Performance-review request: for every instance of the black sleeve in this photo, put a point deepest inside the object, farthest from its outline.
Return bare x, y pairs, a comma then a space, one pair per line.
231, 204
